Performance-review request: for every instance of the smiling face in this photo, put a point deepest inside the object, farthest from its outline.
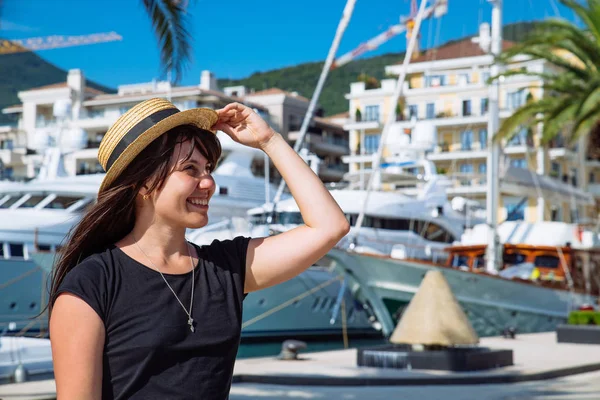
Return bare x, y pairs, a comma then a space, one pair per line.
183, 199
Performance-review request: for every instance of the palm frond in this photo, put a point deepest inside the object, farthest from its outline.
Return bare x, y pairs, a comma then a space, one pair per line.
556, 119
589, 98
581, 43
545, 52
590, 16
169, 22
584, 122
524, 116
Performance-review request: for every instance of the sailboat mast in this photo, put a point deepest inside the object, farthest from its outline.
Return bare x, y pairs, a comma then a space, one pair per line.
493, 158
343, 24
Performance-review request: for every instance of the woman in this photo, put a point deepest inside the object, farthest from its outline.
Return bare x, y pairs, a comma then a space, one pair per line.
136, 311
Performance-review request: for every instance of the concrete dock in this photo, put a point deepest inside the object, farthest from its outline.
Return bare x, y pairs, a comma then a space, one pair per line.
544, 369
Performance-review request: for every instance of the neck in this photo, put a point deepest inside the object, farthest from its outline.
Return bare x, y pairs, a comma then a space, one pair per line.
165, 245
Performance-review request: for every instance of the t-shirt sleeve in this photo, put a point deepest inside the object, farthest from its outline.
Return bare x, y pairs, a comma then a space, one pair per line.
233, 252
87, 281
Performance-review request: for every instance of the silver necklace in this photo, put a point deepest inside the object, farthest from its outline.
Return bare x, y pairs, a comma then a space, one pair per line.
189, 314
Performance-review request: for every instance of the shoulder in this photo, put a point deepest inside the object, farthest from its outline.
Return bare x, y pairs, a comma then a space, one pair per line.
226, 253
89, 280
95, 267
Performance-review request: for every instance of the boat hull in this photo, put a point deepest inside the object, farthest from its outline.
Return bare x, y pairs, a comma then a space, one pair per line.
290, 310
492, 304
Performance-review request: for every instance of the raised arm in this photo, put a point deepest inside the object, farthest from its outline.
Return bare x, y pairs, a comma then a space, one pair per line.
278, 258
77, 338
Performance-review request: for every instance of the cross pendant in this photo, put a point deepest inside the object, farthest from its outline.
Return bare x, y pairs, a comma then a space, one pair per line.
191, 324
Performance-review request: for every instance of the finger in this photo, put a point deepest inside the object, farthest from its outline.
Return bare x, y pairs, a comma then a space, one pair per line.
225, 128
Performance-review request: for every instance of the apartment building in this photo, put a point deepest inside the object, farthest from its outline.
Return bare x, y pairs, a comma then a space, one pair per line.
326, 139
76, 117
446, 88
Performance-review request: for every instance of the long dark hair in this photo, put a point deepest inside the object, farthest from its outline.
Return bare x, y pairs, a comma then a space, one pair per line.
113, 215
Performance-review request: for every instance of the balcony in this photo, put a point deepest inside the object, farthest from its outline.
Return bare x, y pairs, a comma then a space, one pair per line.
332, 172
594, 189
45, 122
319, 144
102, 122
10, 157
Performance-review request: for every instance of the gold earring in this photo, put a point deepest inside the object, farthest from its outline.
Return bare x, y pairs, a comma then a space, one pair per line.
145, 197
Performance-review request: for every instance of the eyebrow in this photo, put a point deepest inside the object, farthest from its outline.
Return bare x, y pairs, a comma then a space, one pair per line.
196, 160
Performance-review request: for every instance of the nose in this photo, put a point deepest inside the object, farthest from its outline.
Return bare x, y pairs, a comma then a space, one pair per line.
206, 183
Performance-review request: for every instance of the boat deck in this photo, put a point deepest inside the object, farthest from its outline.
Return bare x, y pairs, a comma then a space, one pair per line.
536, 357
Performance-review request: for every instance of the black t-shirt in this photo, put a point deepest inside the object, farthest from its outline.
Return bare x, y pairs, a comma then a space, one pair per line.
150, 352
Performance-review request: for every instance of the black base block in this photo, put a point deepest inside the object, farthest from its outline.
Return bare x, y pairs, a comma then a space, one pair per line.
586, 334
446, 359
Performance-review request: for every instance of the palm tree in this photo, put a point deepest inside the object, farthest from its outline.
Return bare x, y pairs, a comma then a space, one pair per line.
168, 19
571, 102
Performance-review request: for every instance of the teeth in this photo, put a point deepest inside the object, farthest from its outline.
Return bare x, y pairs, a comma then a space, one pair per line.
202, 202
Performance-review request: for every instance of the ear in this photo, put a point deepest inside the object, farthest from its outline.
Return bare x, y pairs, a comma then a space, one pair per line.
143, 192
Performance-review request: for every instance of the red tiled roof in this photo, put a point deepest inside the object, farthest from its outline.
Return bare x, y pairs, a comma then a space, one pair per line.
325, 121
460, 49
345, 114
64, 85
175, 90
51, 86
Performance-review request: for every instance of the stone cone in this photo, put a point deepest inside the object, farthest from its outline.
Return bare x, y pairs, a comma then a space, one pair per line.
434, 317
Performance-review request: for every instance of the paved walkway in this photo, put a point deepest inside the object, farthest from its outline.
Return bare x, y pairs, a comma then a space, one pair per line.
574, 387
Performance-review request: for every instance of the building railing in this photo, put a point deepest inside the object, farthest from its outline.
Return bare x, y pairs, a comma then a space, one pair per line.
43, 122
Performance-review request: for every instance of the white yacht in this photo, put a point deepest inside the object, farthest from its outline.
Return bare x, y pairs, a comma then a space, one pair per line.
36, 216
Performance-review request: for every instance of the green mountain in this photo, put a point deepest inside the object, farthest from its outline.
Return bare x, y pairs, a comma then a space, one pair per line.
303, 78
21, 71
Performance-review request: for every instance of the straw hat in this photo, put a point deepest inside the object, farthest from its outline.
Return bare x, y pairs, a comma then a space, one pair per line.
138, 127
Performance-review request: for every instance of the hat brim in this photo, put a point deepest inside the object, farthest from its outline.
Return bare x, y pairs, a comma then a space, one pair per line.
203, 118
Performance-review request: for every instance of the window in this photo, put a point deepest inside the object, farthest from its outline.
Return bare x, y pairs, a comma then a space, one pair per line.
514, 258
519, 163
479, 262
485, 106
547, 261
555, 170
515, 100
413, 111
372, 143
62, 202
223, 190
485, 75
464, 79
592, 178
460, 261
435, 80
556, 213
483, 138
482, 170
466, 168
7, 173
12, 200
430, 110
466, 140
466, 108
520, 138
33, 201
515, 209
466, 171
372, 113
16, 249
124, 109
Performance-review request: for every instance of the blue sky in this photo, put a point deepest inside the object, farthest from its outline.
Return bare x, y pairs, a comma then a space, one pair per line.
237, 37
